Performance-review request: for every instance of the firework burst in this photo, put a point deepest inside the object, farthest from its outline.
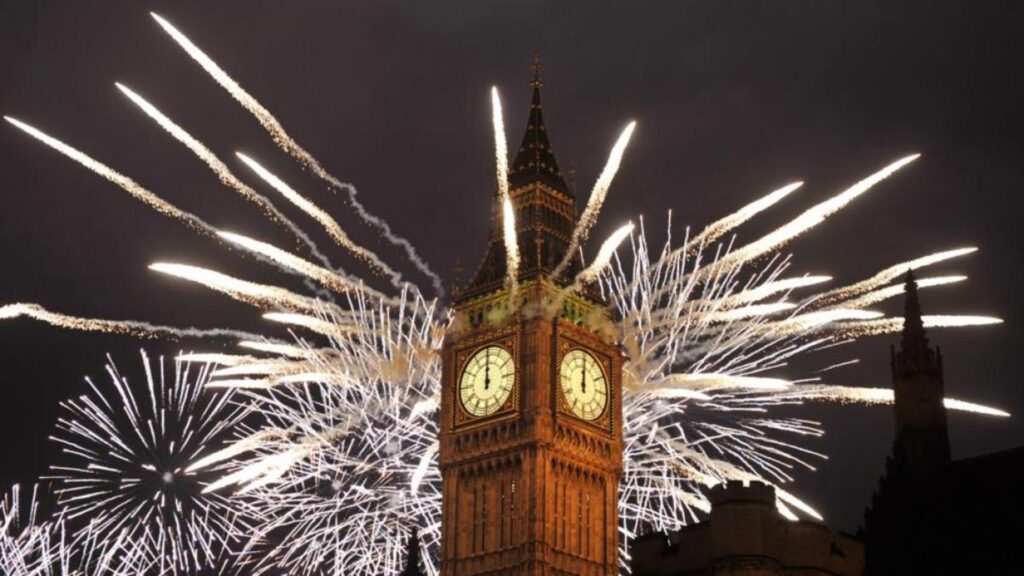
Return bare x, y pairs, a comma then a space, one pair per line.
33, 546
125, 450
336, 447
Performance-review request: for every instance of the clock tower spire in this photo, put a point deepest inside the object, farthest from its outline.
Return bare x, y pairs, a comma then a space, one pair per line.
545, 209
531, 417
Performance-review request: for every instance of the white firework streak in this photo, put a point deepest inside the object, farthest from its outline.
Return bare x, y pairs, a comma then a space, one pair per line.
889, 274
329, 223
127, 184
292, 148
604, 255
597, 196
717, 229
128, 327
262, 295
224, 174
861, 395
132, 187
508, 213
812, 216
122, 470
876, 296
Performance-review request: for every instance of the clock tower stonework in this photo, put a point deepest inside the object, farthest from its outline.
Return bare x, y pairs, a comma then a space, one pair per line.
531, 414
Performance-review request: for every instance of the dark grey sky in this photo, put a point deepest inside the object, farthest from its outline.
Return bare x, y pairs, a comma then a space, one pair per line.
732, 100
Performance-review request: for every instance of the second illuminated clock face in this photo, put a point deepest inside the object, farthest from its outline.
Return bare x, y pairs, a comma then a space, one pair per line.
487, 380
584, 384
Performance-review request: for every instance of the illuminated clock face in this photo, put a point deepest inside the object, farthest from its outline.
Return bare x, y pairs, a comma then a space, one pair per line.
584, 384
487, 380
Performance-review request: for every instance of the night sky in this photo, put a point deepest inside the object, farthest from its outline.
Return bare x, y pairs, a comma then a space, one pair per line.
732, 101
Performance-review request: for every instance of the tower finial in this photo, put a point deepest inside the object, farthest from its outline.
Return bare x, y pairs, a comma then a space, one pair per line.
914, 341
538, 69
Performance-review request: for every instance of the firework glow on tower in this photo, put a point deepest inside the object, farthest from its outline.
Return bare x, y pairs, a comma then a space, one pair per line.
314, 449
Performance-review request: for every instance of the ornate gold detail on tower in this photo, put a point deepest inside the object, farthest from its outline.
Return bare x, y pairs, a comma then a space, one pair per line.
538, 69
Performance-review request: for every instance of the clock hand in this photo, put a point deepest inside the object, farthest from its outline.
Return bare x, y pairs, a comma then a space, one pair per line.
583, 381
487, 370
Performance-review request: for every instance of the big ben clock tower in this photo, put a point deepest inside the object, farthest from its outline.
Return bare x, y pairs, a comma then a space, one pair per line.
531, 420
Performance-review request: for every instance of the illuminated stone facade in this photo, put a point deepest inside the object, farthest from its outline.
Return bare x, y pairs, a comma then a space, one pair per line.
745, 536
530, 482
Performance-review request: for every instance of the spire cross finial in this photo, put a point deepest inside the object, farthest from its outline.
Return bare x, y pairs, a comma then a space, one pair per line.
537, 68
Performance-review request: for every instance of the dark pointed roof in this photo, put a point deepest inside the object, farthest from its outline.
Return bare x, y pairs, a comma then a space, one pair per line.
915, 355
535, 159
914, 341
545, 212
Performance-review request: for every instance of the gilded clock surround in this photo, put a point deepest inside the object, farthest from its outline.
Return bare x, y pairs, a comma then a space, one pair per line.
506, 339
499, 377
565, 347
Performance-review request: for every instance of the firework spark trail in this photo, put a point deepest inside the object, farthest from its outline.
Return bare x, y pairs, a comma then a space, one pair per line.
385, 230
508, 215
752, 311
508, 218
33, 546
318, 325
24, 543
221, 170
769, 289
702, 386
324, 276
265, 118
719, 228
259, 295
129, 327
215, 359
893, 325
126, 183
811, 217
889, 274
136, 190
802, 323
123, 455
604, 255
596, 200
881, 294
858, 395
286, 350
330, 224
291, 147
592, 272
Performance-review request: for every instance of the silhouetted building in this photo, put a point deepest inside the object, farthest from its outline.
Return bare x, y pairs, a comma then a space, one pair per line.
931, 515
746, 536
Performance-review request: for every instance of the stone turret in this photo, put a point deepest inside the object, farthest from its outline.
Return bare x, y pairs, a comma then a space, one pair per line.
745, 536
